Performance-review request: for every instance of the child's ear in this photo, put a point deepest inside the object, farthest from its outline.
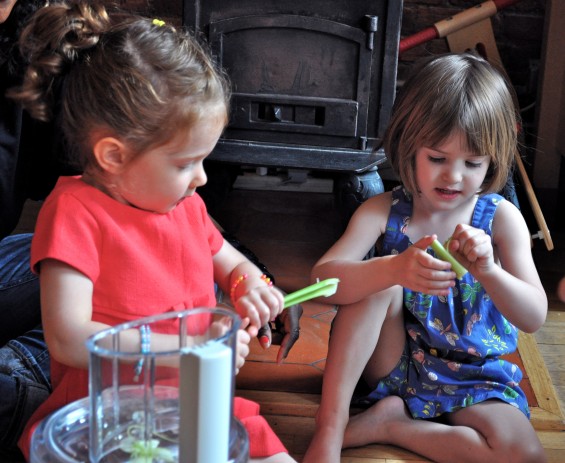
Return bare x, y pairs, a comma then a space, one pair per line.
111, 154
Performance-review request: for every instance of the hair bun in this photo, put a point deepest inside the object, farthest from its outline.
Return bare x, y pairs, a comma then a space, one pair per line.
54, 39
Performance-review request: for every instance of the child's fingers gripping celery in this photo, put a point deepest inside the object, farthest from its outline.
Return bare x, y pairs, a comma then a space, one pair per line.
444, 255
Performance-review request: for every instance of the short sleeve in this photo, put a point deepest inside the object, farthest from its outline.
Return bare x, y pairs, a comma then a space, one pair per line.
62, 223
215, 238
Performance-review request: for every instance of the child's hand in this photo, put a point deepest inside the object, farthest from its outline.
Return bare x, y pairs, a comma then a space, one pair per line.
220, 327
242, 345
416, 269
260, 305
473, 248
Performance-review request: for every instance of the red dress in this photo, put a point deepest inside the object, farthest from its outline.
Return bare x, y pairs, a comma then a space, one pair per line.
141, 264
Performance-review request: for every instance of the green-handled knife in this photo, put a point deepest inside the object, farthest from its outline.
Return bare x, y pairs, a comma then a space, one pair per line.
322, 288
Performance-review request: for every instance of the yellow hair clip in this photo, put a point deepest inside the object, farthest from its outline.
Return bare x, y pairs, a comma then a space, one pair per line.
158, 22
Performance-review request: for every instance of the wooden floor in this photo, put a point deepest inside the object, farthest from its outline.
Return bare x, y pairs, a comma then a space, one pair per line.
288, 231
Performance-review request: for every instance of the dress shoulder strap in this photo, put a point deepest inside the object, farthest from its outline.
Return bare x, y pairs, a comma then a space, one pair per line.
484, 211
395, 240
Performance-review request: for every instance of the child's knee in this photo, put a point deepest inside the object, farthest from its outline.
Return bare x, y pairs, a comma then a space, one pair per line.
527, 451
394, 298
520, 446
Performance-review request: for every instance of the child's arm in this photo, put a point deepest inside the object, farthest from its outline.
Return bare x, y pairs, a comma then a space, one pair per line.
513, 284
66, 306
66, 311
413, 268
252, 295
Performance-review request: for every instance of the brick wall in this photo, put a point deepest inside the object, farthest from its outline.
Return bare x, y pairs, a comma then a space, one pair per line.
518, 31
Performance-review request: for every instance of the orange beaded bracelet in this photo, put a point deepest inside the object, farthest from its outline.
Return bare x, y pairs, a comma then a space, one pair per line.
235, 284
266, 279
244, 277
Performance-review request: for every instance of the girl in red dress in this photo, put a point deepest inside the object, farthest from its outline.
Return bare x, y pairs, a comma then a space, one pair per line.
141, 105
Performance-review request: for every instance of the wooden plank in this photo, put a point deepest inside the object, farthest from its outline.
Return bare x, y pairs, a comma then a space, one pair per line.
541, 383
554, 456
553, 356
389, 452
553, 440
542, 420
552, 330
283, 403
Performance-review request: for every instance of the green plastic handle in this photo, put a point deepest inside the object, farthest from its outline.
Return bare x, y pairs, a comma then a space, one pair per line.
322, 288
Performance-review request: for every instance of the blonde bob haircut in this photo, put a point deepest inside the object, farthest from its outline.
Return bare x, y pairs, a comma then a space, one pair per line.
448, 93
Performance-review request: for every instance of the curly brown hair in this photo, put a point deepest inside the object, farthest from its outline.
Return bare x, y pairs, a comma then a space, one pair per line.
138, 79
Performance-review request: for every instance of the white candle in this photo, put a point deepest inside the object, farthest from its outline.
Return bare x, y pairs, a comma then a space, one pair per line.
206, 374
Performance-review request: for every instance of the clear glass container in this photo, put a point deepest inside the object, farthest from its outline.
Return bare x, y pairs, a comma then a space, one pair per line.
161, 390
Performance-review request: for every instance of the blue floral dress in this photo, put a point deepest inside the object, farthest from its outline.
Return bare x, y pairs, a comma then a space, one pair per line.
454, 343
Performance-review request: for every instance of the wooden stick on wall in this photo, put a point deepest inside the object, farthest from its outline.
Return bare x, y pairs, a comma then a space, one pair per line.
479, 37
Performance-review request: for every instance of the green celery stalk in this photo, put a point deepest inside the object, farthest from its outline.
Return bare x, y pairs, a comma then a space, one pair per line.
444, 255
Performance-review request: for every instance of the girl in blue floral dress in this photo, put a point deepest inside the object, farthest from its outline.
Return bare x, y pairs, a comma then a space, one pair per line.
455, 341
428, 344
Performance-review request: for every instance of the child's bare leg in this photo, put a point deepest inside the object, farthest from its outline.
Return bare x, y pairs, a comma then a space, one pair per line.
372, 328
488, 431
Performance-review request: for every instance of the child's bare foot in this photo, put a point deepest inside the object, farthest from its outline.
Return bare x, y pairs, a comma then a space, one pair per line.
374, 425
325, 446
